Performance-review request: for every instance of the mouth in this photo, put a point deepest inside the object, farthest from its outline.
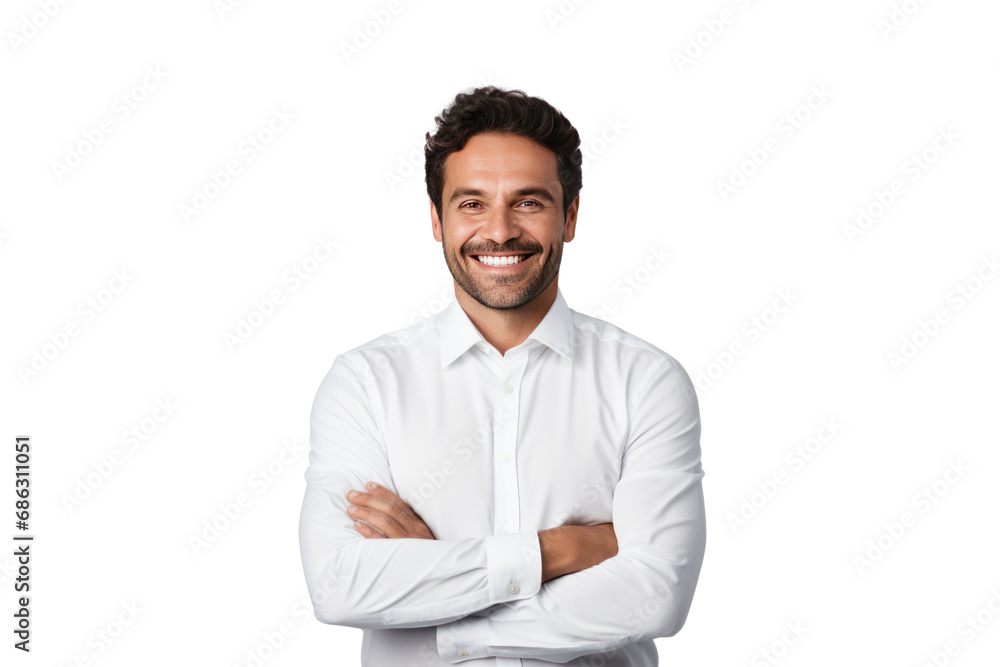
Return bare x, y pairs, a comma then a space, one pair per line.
507, 261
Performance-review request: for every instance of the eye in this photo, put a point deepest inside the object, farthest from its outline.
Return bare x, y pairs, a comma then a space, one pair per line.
466, 204
530, 201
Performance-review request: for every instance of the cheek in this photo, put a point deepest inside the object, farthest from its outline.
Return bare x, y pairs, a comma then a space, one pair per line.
459, 238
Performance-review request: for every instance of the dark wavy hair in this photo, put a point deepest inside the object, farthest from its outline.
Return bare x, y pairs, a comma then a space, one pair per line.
492, 109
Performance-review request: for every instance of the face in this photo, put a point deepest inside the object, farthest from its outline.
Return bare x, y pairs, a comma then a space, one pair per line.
503, 226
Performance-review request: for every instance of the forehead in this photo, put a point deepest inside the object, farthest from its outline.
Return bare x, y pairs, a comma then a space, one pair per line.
501, 160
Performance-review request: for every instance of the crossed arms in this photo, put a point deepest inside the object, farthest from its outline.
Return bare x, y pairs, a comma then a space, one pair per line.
605, 586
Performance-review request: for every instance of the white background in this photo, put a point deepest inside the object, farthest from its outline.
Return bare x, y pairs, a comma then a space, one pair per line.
662, 134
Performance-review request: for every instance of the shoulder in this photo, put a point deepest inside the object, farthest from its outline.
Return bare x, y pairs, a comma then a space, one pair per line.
393, 348
645, 363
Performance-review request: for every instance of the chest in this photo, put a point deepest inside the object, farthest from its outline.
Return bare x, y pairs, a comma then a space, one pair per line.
528, 451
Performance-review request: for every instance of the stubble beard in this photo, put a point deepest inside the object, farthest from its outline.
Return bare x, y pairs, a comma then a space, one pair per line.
495, 291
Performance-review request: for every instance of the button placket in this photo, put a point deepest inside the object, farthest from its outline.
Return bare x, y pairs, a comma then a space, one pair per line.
506, 410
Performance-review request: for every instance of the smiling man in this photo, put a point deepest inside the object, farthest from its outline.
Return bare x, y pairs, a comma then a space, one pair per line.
508, 482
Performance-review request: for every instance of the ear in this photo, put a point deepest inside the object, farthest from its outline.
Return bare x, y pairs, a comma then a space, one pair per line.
435, 222
569, 229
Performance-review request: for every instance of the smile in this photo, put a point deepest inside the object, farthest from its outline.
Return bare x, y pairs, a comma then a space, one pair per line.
501, 260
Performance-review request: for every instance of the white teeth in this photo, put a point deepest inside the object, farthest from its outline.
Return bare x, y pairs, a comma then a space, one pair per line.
498, 261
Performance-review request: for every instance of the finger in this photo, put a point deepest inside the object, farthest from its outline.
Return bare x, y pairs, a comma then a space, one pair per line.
385, 501
381, 506
382, 493
383, 522
399, 510
367, 531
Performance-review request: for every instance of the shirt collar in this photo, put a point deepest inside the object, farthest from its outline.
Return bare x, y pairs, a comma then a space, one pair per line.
458, 333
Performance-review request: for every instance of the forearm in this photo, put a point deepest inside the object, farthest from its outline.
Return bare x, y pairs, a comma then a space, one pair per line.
642, 593
569, 549
378, 583
402, 583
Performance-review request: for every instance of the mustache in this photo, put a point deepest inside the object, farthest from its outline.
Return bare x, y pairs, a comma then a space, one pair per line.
499, 250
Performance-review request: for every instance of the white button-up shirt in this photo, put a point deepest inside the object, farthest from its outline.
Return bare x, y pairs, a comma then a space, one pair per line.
581, 424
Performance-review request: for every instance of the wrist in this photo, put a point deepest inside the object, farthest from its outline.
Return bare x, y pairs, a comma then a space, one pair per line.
559, 552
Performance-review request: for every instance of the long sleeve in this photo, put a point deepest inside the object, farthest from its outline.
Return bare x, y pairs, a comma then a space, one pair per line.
397, 583
643, 592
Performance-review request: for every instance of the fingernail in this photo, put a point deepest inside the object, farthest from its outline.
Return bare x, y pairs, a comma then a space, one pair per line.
371, 485
352, 494
352, 509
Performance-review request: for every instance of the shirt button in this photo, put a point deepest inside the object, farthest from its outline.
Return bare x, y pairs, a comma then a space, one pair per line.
508, 388
514, 589
462, 652
505, 457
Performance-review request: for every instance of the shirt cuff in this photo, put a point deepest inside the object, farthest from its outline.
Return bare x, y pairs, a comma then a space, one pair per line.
463, 639
514, 566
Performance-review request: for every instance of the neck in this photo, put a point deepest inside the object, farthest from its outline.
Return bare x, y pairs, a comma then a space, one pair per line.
509, 327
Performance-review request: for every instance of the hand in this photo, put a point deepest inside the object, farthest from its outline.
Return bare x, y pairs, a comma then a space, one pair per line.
386, 511
569, 549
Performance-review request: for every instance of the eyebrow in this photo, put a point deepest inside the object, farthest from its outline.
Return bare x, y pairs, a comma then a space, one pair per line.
540, 193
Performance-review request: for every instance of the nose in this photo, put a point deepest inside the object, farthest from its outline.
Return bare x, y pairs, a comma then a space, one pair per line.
500, 225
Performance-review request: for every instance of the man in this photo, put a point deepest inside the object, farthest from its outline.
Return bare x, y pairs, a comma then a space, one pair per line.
508, 482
